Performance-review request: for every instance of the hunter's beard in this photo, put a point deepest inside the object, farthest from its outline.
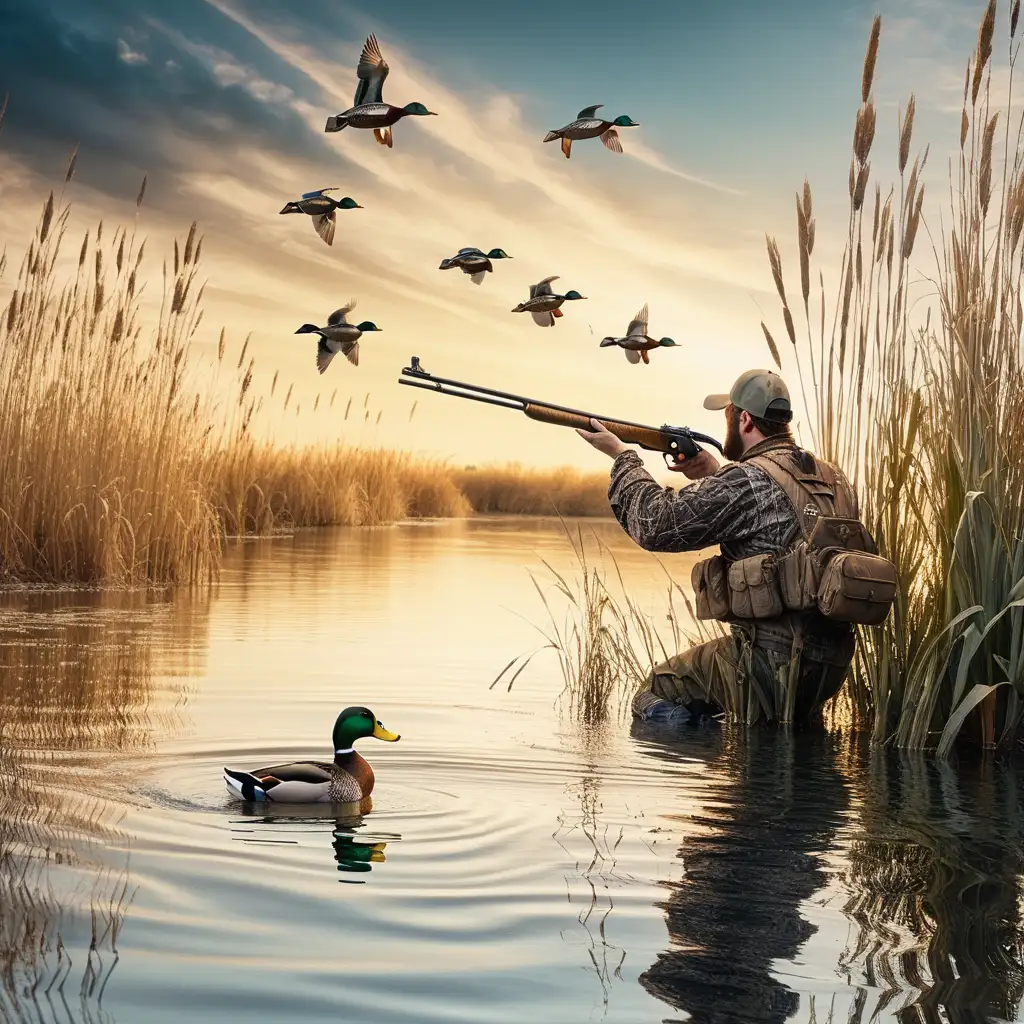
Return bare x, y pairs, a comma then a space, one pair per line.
732, 448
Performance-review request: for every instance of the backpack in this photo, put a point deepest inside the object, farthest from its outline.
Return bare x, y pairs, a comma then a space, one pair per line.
833, 566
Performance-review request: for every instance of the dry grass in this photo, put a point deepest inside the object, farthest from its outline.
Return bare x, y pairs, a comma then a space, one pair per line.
927, 414
515, 490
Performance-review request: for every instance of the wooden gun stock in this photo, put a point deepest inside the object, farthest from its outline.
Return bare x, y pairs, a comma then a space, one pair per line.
653, 440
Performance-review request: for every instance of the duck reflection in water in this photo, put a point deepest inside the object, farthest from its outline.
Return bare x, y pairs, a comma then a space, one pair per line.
934, 860
354, 852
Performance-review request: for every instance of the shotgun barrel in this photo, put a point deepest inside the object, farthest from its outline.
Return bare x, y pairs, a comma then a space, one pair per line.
670, 441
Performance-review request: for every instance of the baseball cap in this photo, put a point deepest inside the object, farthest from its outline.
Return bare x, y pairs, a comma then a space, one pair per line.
762, 393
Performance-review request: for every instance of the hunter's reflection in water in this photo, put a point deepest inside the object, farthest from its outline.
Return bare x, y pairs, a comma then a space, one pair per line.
931, 883
76, 697
750, 860
355, 848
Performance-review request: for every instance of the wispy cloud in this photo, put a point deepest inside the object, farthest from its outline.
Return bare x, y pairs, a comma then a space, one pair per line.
646, 155
128, 55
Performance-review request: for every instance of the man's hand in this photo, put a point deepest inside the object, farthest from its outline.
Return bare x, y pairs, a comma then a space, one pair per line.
697, 466
603, 440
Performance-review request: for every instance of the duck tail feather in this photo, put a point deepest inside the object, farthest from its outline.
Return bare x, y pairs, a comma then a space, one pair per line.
244, 785
551, 136
335, 123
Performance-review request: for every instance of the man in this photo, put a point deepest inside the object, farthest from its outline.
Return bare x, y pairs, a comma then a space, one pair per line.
782, 668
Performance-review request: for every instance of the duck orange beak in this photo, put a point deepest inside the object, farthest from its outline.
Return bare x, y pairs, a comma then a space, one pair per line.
380, 733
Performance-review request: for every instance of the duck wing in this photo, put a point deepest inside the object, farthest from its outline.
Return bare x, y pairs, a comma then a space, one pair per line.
324, 355
371, 71
472, 249
632, 355
338, 316
610, 139
298, 782
638, 325
589, 111
543, 319
542, 287
324, 225
351, 350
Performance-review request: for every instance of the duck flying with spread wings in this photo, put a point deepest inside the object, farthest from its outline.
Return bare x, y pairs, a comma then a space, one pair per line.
588, 126
321, 208
338, 336
544, 305
474, 262
637, 343
369, 109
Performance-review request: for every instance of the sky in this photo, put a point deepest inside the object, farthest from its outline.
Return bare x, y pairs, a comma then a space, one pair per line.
222, 105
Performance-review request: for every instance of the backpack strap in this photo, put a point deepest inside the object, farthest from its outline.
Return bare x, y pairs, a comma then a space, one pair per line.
815, 490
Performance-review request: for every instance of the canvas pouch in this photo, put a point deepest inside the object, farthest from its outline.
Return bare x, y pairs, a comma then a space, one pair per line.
857, 587
754, 588
710, 588
799, 571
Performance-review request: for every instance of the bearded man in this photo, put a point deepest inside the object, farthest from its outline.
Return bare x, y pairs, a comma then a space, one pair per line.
782, 667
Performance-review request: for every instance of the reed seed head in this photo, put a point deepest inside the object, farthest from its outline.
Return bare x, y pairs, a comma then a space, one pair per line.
1014, 17
868, 73
905, 133
772, 347
142, 193
44, 227
984, 51
70, 172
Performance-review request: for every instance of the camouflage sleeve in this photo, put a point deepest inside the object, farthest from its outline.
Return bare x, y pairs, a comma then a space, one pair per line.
717, 509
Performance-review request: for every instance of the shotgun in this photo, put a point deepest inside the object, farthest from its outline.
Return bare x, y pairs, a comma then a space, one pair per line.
672, 442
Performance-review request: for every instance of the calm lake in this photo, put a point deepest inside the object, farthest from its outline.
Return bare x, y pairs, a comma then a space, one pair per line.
513, 867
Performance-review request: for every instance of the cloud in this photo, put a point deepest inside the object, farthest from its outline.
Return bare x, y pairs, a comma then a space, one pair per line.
129, 56
646, 155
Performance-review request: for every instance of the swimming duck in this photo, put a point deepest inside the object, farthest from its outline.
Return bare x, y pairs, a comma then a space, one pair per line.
321, 208
338, 336
474, 262
369, 109
347, 779
543, 304
587, 126
637, 343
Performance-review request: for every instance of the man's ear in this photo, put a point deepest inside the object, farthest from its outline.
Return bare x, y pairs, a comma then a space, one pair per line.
746, 422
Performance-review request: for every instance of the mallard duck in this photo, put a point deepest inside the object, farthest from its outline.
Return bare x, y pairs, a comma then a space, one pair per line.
543, 304
345, 780
321, 208
587, 126
637, 343
338, 336
369, 109
474, 262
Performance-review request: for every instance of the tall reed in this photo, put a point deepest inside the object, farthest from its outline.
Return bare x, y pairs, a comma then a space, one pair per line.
926, 412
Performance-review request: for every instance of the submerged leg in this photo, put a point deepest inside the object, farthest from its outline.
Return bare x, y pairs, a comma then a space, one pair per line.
689, 685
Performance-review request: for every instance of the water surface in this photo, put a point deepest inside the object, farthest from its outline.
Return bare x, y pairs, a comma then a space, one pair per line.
513, 866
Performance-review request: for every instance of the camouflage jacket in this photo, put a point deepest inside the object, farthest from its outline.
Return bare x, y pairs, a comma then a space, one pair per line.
742, 510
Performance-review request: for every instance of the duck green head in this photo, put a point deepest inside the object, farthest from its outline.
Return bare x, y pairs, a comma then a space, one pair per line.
498, 254
417, 108
348, 203
574, 295
367, 325
667, 343
355, 723
625, 121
